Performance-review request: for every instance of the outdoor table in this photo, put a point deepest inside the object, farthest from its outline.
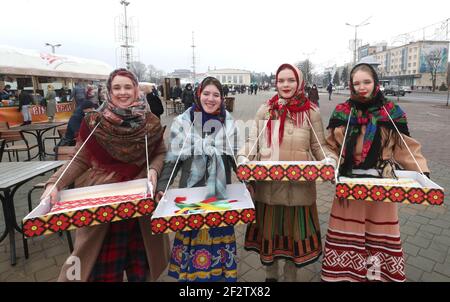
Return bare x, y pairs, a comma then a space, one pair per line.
38, 130
12, 176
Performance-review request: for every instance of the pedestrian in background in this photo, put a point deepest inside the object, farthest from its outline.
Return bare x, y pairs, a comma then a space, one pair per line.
313, 95
330, 90
187, 97
25, 101
50, 100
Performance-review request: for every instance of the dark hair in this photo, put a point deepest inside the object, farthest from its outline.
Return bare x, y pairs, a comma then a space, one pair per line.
124, 73
366, 68
210, 81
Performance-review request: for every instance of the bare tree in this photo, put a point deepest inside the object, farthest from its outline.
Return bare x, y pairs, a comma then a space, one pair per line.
306, 67
344, 76
433, 60
154, 74
140, 70
336, 78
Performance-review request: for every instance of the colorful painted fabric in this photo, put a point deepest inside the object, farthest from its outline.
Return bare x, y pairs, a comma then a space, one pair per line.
204, 255
291, 233
373, 116
122, 250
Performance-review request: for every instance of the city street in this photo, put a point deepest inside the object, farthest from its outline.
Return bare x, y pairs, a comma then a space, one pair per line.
425, 230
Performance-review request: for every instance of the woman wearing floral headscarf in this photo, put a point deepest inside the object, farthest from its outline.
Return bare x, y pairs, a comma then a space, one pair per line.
205, 156
116, 152
363, 240
287, 224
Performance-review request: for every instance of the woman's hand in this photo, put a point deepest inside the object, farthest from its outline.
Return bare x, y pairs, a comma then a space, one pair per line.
153, 178
158, 196
51, 192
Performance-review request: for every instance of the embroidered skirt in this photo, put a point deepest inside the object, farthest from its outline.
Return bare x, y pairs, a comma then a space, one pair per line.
363, 243
292, 233
204, 255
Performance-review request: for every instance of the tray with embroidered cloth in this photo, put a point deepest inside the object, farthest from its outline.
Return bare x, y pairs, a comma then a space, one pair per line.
409, 187
285, 171
93, 205
401, 186
187, 209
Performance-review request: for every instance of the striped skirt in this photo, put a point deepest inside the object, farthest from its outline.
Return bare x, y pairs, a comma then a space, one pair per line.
363, 243
204, 255
292, 233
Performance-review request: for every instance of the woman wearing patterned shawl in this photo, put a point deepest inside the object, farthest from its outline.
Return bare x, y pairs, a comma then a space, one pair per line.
114, 153
363, 240
203, 143
287, 224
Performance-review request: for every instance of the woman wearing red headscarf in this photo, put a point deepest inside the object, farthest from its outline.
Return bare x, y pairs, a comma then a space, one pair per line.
287, 223
116, 152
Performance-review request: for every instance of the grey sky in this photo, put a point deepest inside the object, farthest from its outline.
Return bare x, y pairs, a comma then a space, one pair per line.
248, 34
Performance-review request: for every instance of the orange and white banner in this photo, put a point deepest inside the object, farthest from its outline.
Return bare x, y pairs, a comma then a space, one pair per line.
14, 117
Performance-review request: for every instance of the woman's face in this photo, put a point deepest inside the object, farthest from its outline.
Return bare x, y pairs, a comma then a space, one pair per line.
286, 84
122, 91
210, 99
363, 83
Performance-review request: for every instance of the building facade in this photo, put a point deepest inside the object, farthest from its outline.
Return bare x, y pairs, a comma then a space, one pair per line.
412, 64
231, 76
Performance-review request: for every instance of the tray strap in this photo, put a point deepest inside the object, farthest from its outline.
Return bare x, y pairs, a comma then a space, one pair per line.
71, 161
398, 131
403, 140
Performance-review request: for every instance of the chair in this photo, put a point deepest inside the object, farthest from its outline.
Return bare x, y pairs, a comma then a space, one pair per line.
12, 136
61, 132
62, 153
2, 147
170, 107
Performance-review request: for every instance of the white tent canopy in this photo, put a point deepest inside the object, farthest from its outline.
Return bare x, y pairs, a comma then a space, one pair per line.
16, 61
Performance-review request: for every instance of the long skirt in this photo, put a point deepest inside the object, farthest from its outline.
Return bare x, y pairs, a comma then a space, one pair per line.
204, 255
363, 243
283, 232
122, 250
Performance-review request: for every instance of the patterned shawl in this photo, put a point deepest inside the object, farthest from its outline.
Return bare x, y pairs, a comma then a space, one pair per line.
205, 149
369, 113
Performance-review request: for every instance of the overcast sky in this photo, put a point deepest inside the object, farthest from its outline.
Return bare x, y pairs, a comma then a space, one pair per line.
246, 34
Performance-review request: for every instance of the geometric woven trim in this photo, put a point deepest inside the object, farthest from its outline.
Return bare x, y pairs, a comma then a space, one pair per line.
201, 221
52, 223
397, 194
285, 172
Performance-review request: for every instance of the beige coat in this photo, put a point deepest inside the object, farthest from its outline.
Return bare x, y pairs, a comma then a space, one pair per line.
393, 150
89, 240
298, 144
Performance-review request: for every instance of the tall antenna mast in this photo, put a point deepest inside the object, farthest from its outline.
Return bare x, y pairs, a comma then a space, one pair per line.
125, 35
193, 57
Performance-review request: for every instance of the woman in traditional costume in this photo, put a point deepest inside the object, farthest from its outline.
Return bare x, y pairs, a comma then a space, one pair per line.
363, 240
201, 148
116, 152
287, 224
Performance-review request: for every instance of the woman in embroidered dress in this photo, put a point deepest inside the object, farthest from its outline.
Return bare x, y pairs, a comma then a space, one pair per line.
115, 153
287, 224
205, 254
363, 240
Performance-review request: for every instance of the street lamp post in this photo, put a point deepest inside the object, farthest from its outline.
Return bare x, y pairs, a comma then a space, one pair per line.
356, 35
53, 46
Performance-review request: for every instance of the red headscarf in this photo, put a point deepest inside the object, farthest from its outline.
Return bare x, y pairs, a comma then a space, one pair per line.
295, 106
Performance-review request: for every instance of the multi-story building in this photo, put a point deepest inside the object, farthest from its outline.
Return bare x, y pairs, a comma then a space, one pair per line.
231, 76
412, 64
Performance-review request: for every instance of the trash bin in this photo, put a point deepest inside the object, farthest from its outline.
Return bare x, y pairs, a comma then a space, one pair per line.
229, 103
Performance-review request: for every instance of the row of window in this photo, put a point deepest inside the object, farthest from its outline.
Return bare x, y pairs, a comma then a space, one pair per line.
235, 79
